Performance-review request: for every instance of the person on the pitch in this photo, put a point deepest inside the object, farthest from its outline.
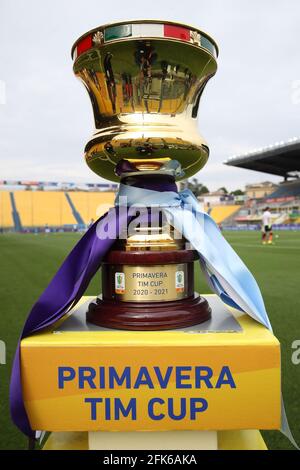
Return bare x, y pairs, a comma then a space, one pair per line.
267, 234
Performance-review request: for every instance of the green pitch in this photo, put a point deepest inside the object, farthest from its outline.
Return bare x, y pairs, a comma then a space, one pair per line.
28, 263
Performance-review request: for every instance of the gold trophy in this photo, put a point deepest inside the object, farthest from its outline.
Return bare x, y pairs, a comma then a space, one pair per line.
145, 80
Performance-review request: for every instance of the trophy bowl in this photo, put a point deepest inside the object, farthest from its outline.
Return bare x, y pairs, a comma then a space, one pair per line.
145, 79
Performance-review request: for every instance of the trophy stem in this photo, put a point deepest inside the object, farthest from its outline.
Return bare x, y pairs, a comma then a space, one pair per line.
146, 181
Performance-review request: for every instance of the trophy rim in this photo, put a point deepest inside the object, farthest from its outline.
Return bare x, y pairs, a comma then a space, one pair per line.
135, 21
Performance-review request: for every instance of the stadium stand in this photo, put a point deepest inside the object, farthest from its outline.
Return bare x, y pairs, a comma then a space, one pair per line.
92, 205
73, 208
75, 212
30, 209
289, 189
282, 159
221, 213
38, 208
15, 213
6, 219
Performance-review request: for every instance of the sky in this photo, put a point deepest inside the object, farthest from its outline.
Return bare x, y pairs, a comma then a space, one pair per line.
46, 116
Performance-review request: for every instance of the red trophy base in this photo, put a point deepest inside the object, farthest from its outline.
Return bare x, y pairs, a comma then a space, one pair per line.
172, 307
149, 316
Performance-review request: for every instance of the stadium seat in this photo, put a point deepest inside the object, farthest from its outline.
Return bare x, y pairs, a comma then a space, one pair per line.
290, 189
92, 205
38, 208
6, 219
221, 213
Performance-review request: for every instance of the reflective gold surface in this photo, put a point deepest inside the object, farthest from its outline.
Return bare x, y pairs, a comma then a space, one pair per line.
154, 239
149, 283
158, 283
145, 94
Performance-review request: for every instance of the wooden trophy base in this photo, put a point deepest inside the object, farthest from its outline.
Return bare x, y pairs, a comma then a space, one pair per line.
149, 316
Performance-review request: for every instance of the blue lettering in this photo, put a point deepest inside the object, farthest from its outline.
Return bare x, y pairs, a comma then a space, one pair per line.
163, 381
198, 409
143, 378
86, 374
151, 413
225, 378
203, 373
114, 377
107, 408
101, 377
171, 407
65, 374
93, 402
131, 408
180, 377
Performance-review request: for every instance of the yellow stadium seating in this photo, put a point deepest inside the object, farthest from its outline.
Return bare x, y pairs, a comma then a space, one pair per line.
220, 213
6, 219
37, 208
92, 205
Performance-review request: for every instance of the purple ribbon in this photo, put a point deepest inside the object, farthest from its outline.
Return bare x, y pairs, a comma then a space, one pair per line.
64, 291
67, 287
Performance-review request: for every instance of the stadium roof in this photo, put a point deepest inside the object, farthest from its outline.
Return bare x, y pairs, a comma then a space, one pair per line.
282, 158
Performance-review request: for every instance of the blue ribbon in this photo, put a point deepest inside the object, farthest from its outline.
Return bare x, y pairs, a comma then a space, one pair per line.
225, 272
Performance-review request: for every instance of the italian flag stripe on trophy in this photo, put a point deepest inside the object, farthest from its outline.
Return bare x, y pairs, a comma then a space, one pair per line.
177, 32
142, 30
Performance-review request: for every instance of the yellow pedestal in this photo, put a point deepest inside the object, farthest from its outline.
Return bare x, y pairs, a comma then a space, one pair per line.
227, 440
75, 379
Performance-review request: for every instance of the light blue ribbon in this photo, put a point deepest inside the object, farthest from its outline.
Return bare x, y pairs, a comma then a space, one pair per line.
225, 272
